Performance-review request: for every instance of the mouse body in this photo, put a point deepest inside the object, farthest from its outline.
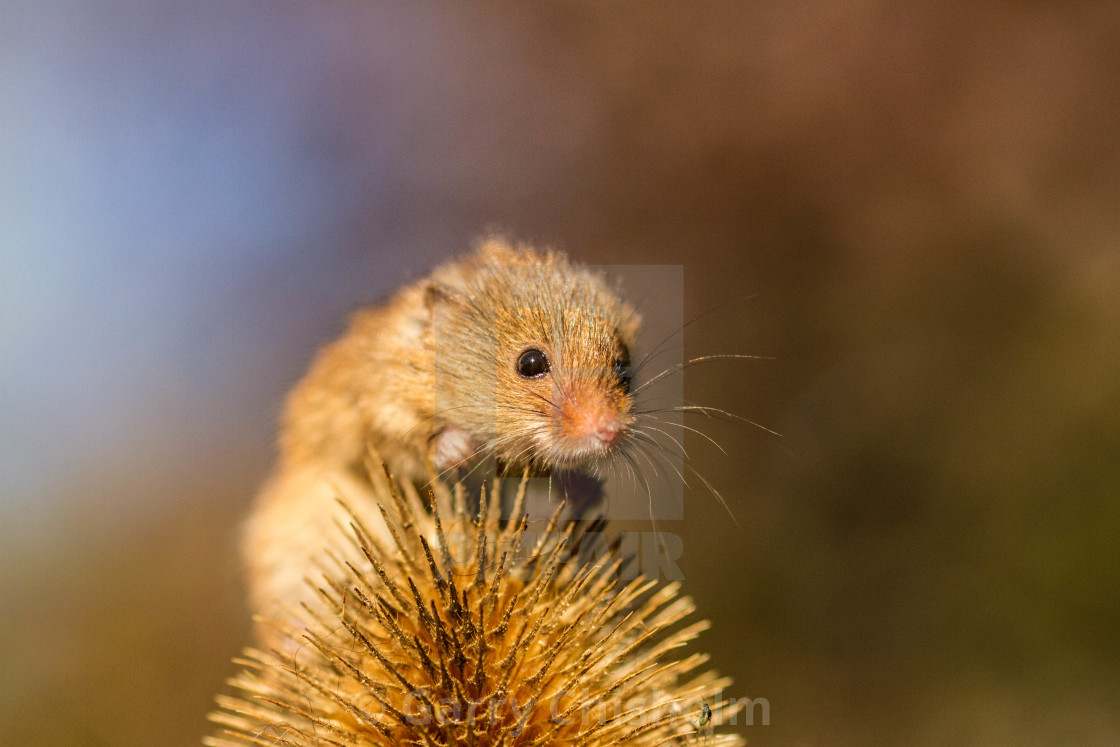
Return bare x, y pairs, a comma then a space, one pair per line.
509, 353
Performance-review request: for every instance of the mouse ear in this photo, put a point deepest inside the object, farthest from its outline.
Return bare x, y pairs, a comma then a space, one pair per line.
434, 294
440, 302
496, 249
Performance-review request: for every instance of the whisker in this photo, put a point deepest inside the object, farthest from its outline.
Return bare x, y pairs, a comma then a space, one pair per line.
647, 440
698, 432
435, 415
716, 493
702, 359
645, 482
546, 400
711, 488
680, 330
659, 452
715, 410
667, 435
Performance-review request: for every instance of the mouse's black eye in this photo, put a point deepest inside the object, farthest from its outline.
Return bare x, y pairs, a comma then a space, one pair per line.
622, 369
532, 363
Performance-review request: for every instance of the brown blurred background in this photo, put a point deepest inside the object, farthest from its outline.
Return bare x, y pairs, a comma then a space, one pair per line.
911, 207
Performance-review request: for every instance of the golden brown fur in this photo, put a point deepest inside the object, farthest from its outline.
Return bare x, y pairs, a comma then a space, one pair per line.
429, 381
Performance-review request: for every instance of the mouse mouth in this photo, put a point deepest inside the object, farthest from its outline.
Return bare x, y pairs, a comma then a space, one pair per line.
571, 452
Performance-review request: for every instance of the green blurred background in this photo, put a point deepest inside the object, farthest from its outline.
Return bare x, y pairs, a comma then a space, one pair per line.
911, 207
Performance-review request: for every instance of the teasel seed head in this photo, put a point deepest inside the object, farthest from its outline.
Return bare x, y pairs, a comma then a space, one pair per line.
467, 631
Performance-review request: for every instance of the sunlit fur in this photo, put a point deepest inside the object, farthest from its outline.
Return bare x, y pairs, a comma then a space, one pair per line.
517, 301
443, 353
441, 358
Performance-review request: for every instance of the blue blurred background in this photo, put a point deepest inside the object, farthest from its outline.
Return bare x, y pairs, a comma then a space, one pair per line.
912, 208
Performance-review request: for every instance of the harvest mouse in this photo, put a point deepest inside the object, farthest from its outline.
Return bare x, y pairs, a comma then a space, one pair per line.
509, 353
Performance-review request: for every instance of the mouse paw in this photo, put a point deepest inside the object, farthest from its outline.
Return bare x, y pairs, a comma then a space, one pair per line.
451, 448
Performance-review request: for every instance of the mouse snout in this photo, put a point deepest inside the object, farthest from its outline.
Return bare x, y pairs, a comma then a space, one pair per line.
591, 421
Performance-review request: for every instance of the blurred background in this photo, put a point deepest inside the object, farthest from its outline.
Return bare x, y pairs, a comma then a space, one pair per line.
912, 208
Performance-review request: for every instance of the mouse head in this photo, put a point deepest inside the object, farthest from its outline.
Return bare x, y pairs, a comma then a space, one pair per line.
531, 357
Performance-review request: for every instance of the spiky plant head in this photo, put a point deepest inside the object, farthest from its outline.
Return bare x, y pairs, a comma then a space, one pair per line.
467, 632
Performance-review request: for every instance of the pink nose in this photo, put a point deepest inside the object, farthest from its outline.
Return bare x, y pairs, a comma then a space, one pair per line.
592, 419
607, 432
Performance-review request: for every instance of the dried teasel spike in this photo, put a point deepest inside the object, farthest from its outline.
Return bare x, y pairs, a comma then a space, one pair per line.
410, 650
441, 539
405, 554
